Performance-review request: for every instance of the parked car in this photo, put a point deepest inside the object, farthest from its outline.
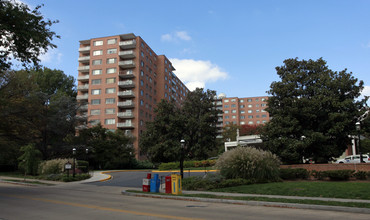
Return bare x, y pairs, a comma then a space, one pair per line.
354, 159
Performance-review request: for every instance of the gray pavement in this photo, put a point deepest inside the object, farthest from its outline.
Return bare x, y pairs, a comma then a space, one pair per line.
98, 176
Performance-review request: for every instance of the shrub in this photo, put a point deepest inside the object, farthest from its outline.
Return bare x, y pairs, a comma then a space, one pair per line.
145, 164
83, 165
187, 164
360, 175
320, 175
212, 181
169, 166
339, 174
249, 163
54, 166
292, 174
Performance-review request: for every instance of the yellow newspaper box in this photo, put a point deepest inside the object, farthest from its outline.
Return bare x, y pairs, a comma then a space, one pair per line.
176, 184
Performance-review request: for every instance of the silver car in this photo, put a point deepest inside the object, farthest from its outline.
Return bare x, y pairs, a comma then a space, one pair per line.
354, 159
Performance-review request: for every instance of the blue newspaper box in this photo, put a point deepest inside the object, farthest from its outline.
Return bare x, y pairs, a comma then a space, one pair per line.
155, 183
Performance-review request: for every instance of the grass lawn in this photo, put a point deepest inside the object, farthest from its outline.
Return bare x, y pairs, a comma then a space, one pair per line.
347, 190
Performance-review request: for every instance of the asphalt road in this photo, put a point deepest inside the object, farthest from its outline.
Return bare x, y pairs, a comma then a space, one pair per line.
135, 178
85, 201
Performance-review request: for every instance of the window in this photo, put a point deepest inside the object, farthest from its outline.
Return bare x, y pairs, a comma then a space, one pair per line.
110, 90
263, 99
141, 92
110, 121
96, 72
241, 100
250, 111
233, 106
233, 111
96, 62
242, 106
95, 101
242, 123
249, 100
263, 105
250, 122
250, 116
264, 116
95, 112
110, 80
242, 117
98, 43
233, 116
257, 99
257, 116
112, 51
226, 117
111, 60
141, 82
263, 122
226, 100
96, 81
226, 112
109, 111
110, 101
112, 41
95, 91
226, 106
263, 110
142, 53
97, 52
111, 70
233, 100
141, 102
141, 73
249, 106
242, 112
94, 122
257, 105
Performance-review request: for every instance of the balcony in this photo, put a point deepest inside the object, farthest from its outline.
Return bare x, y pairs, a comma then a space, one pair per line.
126, 64
83, 107
126, 84
128, 94
126, 74
83, 87
125, 125
80, 127
83, 78
85, 59
127, 54
84, 68
82, 97
126, 104
125, 115
84, 49
81, 117
127, 44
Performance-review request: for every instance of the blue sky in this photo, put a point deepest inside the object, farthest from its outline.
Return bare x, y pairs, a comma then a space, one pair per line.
232, 47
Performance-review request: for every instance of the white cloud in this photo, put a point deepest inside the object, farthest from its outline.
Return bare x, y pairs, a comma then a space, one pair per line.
196, 73
366, 91
176, 36
52, 56
183, 35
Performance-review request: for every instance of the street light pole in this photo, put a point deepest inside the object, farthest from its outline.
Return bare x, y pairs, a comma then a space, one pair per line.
74, 161
87, 159
182, 158
358, 128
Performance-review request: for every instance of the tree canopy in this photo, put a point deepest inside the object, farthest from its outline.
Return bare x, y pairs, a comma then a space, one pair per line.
24, 34
313, 110
195, 122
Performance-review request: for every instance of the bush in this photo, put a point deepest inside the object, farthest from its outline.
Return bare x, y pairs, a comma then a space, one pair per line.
187, 164
54, 166
360, 175
169, 166
339, 174
292, 174
83, 165
249, 163
212, 181
320, 175
145, 164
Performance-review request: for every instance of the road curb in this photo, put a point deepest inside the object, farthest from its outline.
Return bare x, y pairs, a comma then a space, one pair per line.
255, 203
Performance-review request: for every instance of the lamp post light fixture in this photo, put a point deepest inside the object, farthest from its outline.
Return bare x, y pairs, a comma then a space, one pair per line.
182, 158
87, 159
74, 161
358, 128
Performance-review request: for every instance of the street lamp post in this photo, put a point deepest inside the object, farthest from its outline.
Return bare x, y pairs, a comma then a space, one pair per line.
74, 161
358, 128
182, 158
87, 159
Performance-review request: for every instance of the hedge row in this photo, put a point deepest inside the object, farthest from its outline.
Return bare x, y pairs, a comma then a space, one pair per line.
187, 164
301, 173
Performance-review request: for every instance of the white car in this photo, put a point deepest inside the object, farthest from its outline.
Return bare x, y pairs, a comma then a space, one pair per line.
354, 159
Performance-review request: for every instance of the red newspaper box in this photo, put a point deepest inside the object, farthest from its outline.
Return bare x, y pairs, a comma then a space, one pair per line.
146, 185
168, 184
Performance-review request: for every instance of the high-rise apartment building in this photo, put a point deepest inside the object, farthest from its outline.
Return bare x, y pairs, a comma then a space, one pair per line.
120, 81
242, 111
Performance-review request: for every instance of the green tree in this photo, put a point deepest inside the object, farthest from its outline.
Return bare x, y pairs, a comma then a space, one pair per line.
160, 142
109, 150
313, 109
25, 34
30, 159
229, 132
32, 112
200, 117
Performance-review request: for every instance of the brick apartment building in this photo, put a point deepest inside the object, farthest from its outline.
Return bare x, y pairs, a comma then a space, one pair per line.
242, 111
120, 81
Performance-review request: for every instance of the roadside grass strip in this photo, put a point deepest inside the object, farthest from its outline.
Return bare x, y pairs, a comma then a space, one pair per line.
308, 201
